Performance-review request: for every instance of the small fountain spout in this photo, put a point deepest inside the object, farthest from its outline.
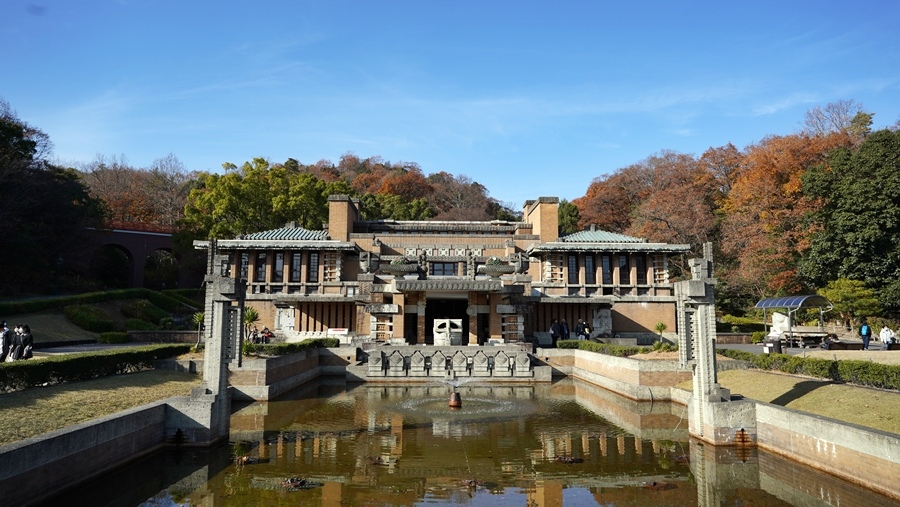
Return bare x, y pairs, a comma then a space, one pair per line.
455, 399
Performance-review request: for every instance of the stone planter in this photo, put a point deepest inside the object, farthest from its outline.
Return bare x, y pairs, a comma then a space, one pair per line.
495, 270
405, 270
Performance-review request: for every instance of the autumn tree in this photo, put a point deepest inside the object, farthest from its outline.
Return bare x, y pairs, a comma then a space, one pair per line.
764, 228
458, 198
676, 203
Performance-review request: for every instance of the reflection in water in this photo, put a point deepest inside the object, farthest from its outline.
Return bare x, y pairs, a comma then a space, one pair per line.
543, 445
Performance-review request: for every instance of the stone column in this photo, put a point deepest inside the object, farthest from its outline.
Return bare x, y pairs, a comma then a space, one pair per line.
712, 416
204, 417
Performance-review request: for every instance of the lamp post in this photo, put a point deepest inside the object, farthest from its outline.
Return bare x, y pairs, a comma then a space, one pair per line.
59, 263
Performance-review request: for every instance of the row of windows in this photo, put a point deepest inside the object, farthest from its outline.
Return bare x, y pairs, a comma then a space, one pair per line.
607, 262
295, 261
623, 263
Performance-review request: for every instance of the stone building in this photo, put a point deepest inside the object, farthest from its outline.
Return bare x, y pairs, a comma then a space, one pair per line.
418, 281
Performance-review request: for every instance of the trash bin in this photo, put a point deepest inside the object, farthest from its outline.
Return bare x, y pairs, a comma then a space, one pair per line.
772, 347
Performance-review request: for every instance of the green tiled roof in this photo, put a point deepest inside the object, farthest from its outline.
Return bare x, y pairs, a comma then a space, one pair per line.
597, 236
288, 234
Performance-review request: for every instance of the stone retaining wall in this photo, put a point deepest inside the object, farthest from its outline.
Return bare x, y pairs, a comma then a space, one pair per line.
59, 459
43, 465
870, 458
644, 380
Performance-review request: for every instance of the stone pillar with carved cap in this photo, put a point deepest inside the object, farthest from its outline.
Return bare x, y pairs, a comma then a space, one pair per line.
204, 417
713, 417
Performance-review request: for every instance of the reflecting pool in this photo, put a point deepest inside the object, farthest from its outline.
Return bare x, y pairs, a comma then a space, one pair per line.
565, 443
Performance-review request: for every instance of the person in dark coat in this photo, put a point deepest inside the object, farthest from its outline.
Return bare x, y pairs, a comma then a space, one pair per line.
15, 348
564, 329
27, 342
555, 332
4, 341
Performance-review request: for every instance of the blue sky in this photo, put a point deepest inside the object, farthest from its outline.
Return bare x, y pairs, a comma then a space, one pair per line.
528, 98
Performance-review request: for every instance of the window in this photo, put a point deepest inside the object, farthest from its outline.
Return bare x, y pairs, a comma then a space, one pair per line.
590, 272
245, 265
553, 269
660, 272
278, 268
606, 260
260, 269
640, 265
624, 270
332, 262
313, 274
573, 269
443, 268
296, 258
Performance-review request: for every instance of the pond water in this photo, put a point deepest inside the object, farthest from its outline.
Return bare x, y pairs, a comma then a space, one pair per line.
565, 443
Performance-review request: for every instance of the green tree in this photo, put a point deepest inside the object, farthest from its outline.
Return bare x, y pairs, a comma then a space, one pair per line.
257, 197
44, 209
859, 222
851, 299
197, 318
251, 317
568, 217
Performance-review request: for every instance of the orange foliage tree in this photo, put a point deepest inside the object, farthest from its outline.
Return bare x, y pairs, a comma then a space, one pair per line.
763, 228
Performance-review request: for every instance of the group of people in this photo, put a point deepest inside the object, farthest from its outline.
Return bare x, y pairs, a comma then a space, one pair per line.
15, 345
886, 335
257, 336
559, 330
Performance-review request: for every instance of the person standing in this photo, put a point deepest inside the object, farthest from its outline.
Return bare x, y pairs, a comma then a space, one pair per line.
27, 342
865, 332
4, 341
554, 332
15, 348
886, 335
581, 330
564, 329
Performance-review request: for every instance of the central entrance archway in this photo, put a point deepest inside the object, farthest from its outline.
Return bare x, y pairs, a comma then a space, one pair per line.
446, 308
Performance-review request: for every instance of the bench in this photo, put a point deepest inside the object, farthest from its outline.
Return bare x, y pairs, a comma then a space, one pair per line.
893, 346
842, 346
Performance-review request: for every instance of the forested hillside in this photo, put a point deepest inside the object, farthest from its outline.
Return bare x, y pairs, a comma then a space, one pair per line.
789, 214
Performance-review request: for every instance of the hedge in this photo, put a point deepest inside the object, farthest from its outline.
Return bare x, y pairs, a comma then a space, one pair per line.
113, 337
283, 349
864, 373
90, 318
20, 375
35, 305
142, 309
602, 348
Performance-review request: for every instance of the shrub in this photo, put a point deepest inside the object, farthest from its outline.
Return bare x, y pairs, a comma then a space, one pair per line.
19, 375
602, 348
283, 349
757, 337
864, 373
144, 310
113, 337
90, 318
35, 305
140, 325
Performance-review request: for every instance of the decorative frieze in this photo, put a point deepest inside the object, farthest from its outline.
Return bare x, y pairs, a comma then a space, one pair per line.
448, 285
383, 308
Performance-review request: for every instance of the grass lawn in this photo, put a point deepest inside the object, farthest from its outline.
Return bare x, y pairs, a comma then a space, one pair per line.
35, 411
873, 408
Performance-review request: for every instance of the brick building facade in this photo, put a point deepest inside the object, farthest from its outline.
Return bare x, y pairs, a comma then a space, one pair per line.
496, 280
